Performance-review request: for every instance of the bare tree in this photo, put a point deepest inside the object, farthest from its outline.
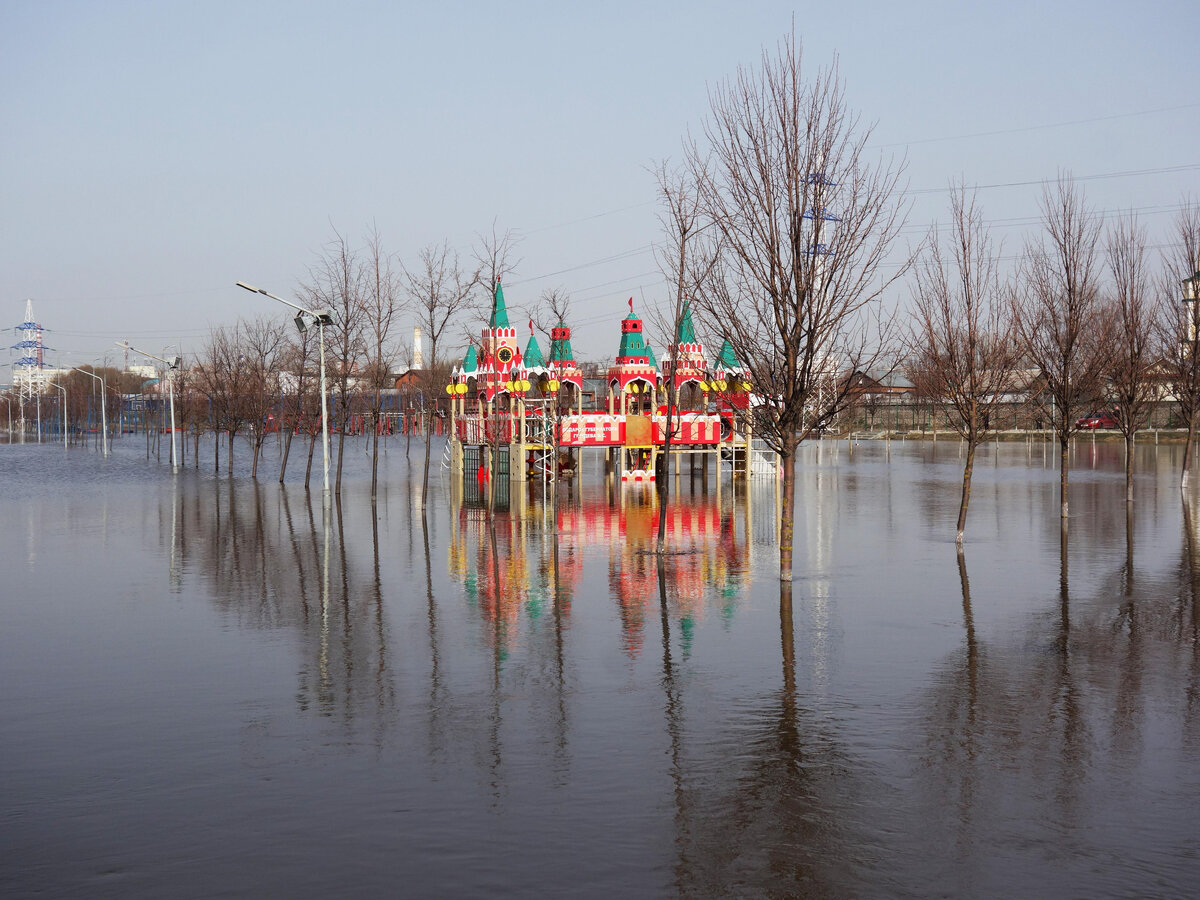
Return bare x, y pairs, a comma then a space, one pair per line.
493, 254
336, 283
299, 405
380, 304
1135, 313
961, 347
807, 225
440, 291
1181, 330
553, 306
222, 378
1059, 316
261, 358
686, 262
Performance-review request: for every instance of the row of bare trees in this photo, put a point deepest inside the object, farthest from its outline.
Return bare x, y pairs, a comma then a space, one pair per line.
259, 375
1086, 321
781, 230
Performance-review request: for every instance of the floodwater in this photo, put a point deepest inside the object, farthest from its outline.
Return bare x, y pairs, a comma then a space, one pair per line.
211, 688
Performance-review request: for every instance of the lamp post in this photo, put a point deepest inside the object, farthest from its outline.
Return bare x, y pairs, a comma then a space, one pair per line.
103, 406
59, 387
172, 365
320, 318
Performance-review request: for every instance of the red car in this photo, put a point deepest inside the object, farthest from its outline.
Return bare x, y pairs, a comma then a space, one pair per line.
1097, 420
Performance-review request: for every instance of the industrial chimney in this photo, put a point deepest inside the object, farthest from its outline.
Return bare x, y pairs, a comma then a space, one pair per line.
418, 361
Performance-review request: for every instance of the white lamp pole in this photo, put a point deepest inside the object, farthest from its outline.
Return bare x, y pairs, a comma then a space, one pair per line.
321, 318
103, 407
172, 365
59, 387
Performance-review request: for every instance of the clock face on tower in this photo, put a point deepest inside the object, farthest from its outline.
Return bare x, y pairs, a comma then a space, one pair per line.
505, 355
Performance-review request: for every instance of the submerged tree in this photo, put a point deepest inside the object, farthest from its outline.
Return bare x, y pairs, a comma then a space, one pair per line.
686, 263
1059, 316
439, 291
336, 283
261, 356
807, 223
1181, 329
381, 291
961, 346
1135, 312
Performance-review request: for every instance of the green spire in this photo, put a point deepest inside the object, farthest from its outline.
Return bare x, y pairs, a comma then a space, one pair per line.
533, 358
650, 354
470, 363
560, 347
726, 360
687, 333
499, 311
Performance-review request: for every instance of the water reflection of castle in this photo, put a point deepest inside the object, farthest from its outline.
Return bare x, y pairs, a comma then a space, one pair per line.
539, 556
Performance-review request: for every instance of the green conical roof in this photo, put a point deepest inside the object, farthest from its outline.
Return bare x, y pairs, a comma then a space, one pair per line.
470, 363
632, 343
499, 311
560, 350
650, 353
687, 333
533, 358
726, 360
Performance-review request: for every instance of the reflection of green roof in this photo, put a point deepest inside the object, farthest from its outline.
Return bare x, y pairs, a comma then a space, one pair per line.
687, 333
470, 363
533, 358
499, 310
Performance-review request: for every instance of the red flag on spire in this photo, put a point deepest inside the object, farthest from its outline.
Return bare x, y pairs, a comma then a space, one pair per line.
531, 326
631, 306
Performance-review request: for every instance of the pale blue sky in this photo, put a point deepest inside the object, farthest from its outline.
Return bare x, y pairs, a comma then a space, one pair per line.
154, 153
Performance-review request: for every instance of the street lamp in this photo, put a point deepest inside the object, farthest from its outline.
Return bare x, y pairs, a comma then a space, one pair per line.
172, 365
320, 318
103, 407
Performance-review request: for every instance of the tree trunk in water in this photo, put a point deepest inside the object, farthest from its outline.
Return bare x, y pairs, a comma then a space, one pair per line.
1063, 466
229, 462
1129, 468
312, 445
1187, 453
664, 487
425, 476
375, 452
287, 448
787, 515
968, 470
256, 451
337, 489
216, 452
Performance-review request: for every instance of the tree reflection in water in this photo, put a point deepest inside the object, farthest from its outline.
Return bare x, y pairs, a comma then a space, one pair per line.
1046, 747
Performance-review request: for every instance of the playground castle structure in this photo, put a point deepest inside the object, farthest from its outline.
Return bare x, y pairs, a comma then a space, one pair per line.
521, 415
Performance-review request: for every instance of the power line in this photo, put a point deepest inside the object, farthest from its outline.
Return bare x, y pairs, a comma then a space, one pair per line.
1027, 128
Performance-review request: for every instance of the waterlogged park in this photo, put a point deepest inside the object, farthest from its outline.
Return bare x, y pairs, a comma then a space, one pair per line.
837, 594
539, 642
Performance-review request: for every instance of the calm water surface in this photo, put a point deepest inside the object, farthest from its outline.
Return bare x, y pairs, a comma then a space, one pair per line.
211, 688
